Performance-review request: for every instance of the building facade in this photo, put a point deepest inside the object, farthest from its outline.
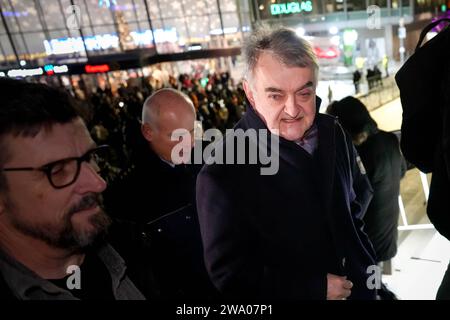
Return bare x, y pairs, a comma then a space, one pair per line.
73, 30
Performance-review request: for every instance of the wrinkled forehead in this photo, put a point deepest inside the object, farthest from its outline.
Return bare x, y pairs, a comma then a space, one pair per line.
49, 144
286, 79
269, 68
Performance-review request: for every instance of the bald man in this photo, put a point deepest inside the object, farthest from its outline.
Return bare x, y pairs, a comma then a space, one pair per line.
159, 179
160, 191
164, 112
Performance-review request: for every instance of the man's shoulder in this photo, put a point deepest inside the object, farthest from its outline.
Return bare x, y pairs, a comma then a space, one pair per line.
380, 139
385, 135
213, 170
243, 123
132, 245
387, 142
126, 235
326, 120
224, 173
329, 125
138, 172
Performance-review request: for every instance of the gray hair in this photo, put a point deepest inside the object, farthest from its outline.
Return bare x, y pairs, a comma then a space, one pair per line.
152, 105
283, 43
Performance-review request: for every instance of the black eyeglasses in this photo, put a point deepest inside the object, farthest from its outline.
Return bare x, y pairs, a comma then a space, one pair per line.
64, 172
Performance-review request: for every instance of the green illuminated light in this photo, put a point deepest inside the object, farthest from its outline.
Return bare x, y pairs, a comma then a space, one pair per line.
291, 7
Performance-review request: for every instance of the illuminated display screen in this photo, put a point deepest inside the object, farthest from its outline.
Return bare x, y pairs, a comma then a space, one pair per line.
107, 3
107, 41
290, 7
48, 69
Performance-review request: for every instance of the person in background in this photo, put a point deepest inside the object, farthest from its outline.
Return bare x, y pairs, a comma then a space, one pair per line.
356, 80
168, 186
385, 167
159, 193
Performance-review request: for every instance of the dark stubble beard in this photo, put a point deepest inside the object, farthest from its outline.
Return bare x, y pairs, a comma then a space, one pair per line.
66, 236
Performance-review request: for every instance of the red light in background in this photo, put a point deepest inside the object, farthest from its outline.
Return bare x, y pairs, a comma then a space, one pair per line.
96, 68
329, 53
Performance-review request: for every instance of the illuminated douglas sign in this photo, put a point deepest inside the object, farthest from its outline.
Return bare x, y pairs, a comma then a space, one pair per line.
291, 7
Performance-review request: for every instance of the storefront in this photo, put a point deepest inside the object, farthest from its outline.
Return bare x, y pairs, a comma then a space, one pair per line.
39, 32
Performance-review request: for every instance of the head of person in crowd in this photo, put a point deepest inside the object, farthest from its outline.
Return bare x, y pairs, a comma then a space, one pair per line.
355, 118
168, 119
280, 80
194, 99
49, 182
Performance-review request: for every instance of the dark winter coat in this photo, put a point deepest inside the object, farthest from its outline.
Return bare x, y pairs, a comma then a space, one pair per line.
277, 236
385, 166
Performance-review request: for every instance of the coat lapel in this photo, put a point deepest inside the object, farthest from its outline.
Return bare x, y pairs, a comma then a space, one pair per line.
326, 157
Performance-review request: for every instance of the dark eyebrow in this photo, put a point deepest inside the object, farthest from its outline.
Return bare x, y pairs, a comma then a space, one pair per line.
92, 146
306, 85
273, 89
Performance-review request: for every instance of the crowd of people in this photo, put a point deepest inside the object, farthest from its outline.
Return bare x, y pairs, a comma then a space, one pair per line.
114, 118
373, 77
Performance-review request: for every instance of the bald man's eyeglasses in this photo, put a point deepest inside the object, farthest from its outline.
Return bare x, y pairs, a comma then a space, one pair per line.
62, 173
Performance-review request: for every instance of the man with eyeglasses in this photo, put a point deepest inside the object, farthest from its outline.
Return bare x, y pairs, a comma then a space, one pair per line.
52, 226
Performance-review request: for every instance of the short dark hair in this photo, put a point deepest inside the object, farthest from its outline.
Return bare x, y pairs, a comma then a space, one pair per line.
27, 108
353, 115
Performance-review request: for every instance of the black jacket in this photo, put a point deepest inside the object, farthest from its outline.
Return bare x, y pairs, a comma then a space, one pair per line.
277, 236
385, 166
161, 200
423, 81
150, 189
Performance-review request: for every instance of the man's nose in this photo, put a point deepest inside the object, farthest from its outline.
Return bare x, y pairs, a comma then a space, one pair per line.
291, 107
89, 179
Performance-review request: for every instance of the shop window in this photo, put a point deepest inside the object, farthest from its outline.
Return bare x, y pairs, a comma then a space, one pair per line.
380, 3
357, 5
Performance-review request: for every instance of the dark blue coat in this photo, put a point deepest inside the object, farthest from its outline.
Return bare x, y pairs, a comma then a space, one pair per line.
277, 236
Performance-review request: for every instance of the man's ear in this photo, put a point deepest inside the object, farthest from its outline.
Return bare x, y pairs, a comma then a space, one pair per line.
147, 132
248, 92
